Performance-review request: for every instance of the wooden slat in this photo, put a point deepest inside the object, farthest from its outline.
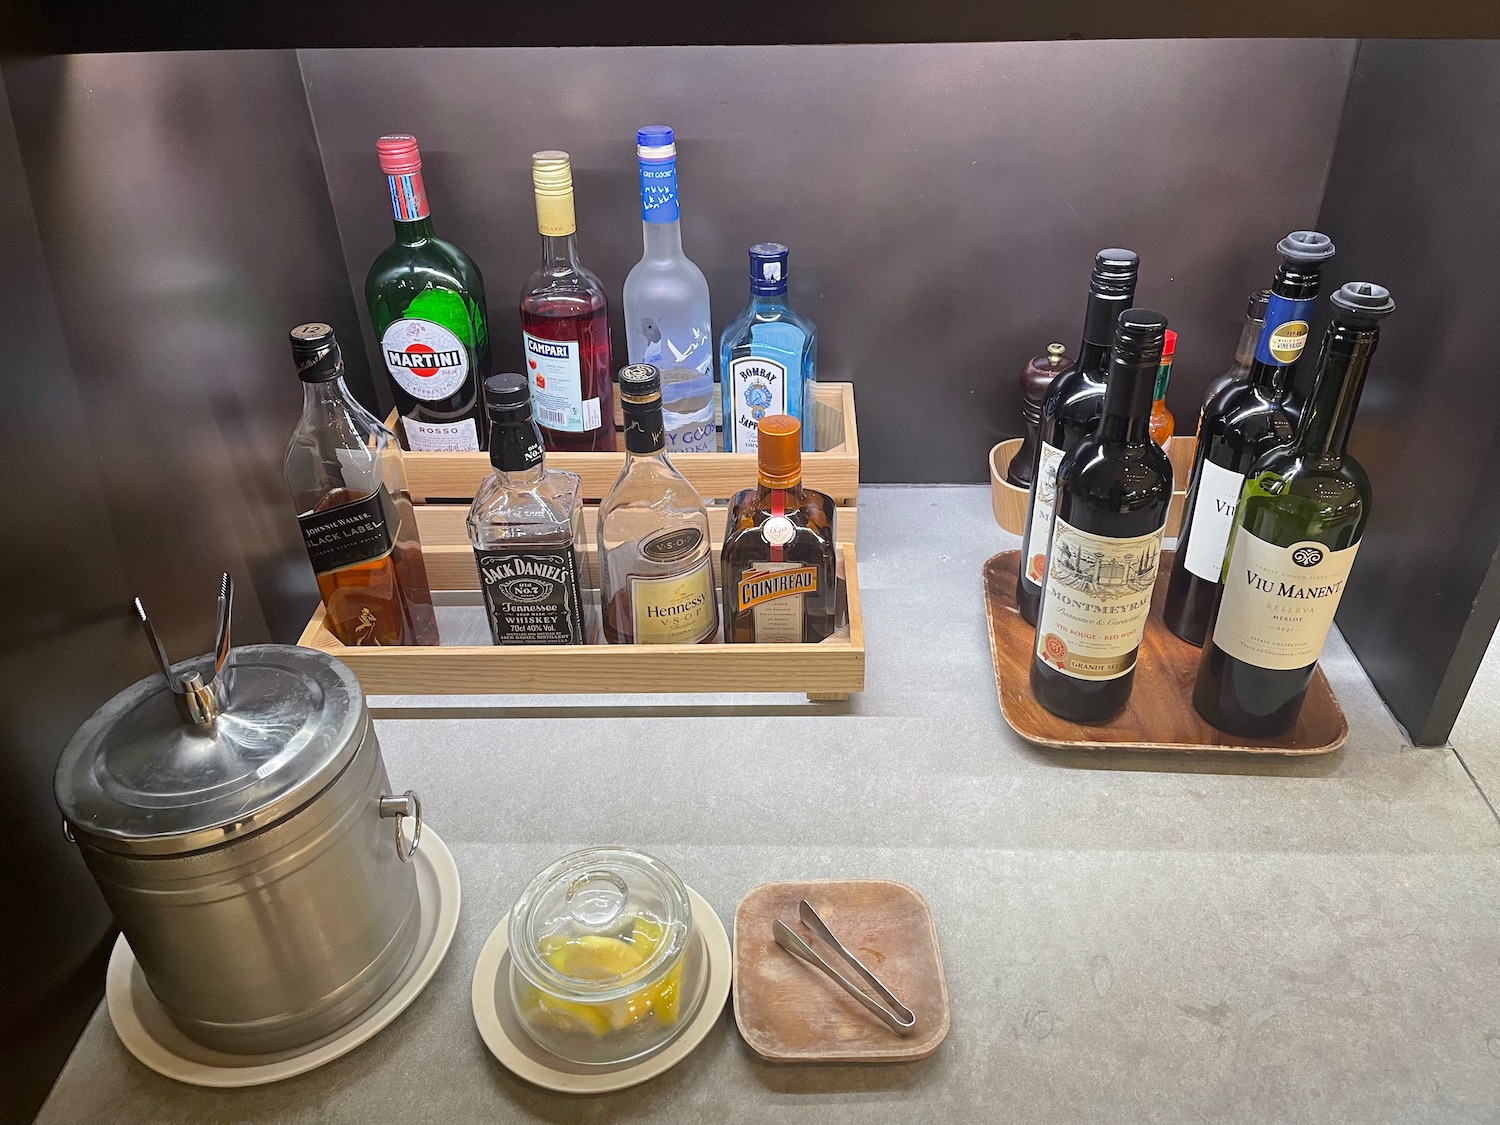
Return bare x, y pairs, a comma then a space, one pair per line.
834, 667
716, 476
444, 524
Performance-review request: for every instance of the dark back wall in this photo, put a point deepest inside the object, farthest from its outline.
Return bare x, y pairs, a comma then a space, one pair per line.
942, 202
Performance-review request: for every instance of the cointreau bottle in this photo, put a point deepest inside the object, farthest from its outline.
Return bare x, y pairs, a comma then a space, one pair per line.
426, 302
780, 563
565, 324
343, 469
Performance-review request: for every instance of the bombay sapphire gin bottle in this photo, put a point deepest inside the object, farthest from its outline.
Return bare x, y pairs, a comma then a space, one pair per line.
666, 303
767, 357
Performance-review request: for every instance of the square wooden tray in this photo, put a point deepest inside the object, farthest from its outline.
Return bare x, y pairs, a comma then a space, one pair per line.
789, 1012
1160, 714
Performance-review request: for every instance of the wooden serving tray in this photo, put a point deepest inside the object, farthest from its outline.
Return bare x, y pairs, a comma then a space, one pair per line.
789, 1012
1160, 714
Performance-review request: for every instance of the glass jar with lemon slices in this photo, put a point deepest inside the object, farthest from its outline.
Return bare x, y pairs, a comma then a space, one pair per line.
606, 964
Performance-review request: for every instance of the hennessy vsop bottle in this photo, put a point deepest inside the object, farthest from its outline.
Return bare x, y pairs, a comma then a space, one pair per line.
426, 302
1070, 413
344, 472
1240, 425
565, 324
1300, 519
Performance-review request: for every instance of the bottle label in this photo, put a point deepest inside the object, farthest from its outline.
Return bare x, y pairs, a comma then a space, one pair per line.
351, 534
775, 591
758, 389
1211, 521
1096, 602
425, 359
659, 190
1045, 484
531, 597
408, 197
692, 349
1285, 334
555, 371
678, 609
1279, 601
441, 437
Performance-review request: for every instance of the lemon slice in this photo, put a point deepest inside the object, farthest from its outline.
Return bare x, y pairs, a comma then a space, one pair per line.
594, 957
564, 1016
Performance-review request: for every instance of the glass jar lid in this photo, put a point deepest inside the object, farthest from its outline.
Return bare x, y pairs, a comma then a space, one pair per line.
600, 924
138, 778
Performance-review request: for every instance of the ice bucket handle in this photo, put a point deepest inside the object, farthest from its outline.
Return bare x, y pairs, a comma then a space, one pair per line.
406, 805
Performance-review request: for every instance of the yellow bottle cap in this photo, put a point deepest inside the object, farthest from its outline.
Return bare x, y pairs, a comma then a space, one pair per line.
552, 179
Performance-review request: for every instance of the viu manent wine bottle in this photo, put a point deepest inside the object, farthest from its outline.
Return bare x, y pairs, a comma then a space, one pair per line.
768, 357
1240, 425
1300, 518
666, 303
426, 301
1113, 491
1070, 413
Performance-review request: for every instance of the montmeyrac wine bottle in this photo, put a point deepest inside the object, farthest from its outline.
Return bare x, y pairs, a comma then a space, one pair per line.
1070, 413
1113, 492
1300, 518
1240, 425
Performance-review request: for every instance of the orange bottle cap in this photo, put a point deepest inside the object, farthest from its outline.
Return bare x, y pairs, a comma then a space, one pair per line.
780, 450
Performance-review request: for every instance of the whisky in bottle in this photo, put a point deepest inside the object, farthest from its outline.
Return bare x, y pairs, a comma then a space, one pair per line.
426, 301
1298, 525
656, 579
343, 468
1240, 425
526, 527
1070, 413
1113, 492
780, 563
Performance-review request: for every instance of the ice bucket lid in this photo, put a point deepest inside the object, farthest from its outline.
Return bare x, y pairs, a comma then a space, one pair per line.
137, 778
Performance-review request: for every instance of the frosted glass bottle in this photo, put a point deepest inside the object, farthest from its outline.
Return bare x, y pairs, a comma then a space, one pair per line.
666, 303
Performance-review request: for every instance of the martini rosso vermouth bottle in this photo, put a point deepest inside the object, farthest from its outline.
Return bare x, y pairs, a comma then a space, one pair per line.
426, 301
1300, 519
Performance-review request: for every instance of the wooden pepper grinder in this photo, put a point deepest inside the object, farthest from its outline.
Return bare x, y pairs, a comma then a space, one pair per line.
1036, 377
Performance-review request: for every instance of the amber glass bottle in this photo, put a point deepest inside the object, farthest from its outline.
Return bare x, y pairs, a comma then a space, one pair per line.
780, 564
343, 469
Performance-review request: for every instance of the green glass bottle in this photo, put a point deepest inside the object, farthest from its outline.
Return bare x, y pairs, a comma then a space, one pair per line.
1301, 515
426, 301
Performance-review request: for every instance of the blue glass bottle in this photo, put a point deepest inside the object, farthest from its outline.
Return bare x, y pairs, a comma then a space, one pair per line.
767, 357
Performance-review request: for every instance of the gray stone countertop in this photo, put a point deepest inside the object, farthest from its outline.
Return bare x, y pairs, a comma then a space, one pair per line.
1126, 939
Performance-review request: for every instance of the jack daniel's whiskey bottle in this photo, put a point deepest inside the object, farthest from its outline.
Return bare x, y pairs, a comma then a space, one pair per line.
343, 469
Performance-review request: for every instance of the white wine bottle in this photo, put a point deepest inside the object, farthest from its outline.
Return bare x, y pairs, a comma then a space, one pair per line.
1299, 522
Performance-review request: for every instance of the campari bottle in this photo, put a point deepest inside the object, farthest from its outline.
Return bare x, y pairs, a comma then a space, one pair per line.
426, 302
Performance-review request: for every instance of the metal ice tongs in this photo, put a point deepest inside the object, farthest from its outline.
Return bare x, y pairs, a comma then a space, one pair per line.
898, 1017
199, 702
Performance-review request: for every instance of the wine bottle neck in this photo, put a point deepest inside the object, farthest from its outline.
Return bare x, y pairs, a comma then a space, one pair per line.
1244, 351
1093, 360
559, 251
414, 232
1127, 399
1329, 414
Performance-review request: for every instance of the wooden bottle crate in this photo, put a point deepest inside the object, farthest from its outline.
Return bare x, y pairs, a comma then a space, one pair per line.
1009, 502
442, 485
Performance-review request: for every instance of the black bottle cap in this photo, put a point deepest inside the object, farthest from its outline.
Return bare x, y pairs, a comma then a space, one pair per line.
1362, 303
316, 353
1115, 271
1305, 247
640, 383
1139, 328
506, 391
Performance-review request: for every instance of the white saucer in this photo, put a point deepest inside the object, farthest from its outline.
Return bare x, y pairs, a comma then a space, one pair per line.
508, 1041
149, 1034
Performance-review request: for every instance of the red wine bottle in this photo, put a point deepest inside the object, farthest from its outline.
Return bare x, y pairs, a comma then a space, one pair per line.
1240, 425
1298, 525
1113, 491
1070, 413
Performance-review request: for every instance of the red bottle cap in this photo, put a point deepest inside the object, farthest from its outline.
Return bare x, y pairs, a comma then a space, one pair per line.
399, 155
1170, 347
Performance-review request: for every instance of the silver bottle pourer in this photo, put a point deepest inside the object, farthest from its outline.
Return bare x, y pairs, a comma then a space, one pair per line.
198, 702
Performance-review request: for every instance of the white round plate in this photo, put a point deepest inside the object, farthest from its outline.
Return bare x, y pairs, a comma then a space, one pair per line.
507, 1039
150, 1035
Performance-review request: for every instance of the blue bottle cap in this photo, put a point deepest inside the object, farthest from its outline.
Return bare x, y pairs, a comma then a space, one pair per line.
768, 268
653, 136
